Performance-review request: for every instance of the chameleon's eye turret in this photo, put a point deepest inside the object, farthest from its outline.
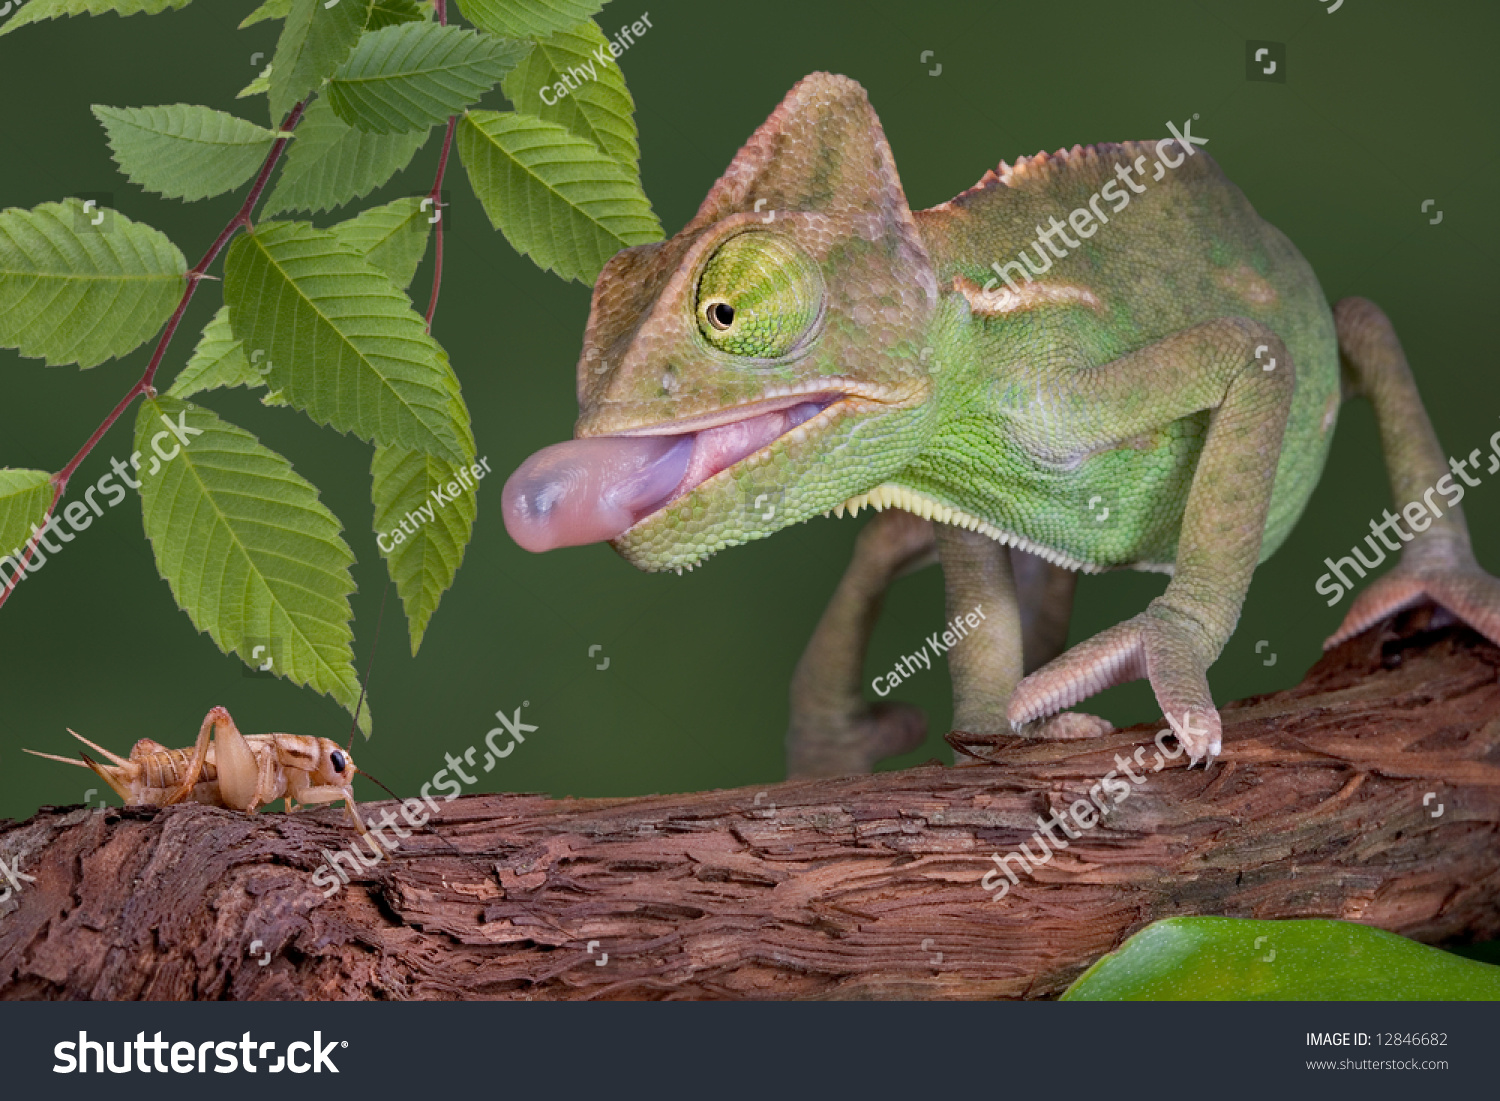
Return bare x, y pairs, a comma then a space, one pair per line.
760, 295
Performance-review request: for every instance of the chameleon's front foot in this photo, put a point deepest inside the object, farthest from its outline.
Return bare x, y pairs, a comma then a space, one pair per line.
1162, 644
1457, 584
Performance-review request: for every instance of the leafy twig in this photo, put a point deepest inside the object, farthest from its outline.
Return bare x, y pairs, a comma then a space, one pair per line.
441, 7
144, 384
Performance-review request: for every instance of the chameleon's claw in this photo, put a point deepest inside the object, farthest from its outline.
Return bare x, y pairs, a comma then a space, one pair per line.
1461, 588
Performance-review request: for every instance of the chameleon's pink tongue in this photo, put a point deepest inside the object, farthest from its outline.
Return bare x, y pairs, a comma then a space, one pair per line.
592, 490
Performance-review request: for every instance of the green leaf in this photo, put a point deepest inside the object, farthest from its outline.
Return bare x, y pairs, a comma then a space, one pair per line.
249, 551
554, 195
72, 291
415, 75
34, 11
271, 9
1239, 959
314, 42
393, 237
596, 107
527, 18
422, 526
388, 13
25, 496
257, 87
184, 151
342, 342
332, 163
218, 361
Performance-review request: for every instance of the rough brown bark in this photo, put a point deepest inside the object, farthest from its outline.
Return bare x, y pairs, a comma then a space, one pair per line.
859, 887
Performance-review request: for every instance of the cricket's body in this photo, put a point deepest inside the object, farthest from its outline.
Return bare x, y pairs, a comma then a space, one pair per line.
1101, 358
227, 769
1212, 257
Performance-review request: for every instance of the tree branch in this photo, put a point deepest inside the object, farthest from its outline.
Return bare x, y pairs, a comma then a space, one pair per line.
857, 887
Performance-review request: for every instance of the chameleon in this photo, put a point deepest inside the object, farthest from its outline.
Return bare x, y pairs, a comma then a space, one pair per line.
1110, 327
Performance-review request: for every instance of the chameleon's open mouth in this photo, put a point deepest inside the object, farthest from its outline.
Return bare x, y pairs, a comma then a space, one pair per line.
594, 489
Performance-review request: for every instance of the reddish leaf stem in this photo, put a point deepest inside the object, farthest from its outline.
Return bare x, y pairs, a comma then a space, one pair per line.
144, 384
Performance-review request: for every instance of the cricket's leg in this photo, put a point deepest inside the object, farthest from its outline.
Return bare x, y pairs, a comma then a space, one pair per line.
1045, 593
833, 731
309, 794
1437, 563
1181, 633
200, 754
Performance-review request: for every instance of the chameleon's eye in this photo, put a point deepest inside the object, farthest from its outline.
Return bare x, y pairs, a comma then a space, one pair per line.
759, 295
337, 760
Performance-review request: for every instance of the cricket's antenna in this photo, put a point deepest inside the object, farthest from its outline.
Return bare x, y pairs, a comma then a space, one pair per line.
363, 688
396, 797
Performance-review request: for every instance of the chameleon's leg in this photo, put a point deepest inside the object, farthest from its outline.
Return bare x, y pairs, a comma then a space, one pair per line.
1181, 633
1438, 563
1045, 593
985, 665
833, 732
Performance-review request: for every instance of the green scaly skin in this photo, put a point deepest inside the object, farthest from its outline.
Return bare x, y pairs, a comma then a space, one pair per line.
1178, 366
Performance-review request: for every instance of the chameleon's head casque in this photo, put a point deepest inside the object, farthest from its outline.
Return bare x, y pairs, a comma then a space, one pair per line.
760, 367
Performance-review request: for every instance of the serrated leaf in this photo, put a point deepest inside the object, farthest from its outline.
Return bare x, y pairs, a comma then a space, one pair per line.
393, 237
257, 87
415, 75
597, 106
554, 195
422, 527
25, 496
388, 13
184, 151
1242, 959
249, 551
342, 342
528, 18
75, 292
271, 9
315, 41
332, 163
218, 361
34, 11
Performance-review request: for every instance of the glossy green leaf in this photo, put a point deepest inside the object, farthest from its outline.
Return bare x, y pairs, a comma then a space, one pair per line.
413, 76
218, 361
528, 18
34, 11
424, 517
387, 13
25, 496
342, 341
248, 549
393, 237
257, 87
554, 195
1240, 959
81, 284
271, 9
563, 80
184, 151
315, 41
332, 163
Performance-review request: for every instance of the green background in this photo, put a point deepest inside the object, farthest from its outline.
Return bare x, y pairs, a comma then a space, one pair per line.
1384, 105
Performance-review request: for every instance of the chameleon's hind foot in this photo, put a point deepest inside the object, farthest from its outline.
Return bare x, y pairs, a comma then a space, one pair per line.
1160, 644
1067, 726
1461, 588
851, 746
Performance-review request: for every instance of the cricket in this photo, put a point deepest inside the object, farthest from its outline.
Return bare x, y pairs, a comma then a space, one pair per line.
228, 769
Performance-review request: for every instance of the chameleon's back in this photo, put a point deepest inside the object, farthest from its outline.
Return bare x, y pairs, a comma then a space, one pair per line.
1136, 267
